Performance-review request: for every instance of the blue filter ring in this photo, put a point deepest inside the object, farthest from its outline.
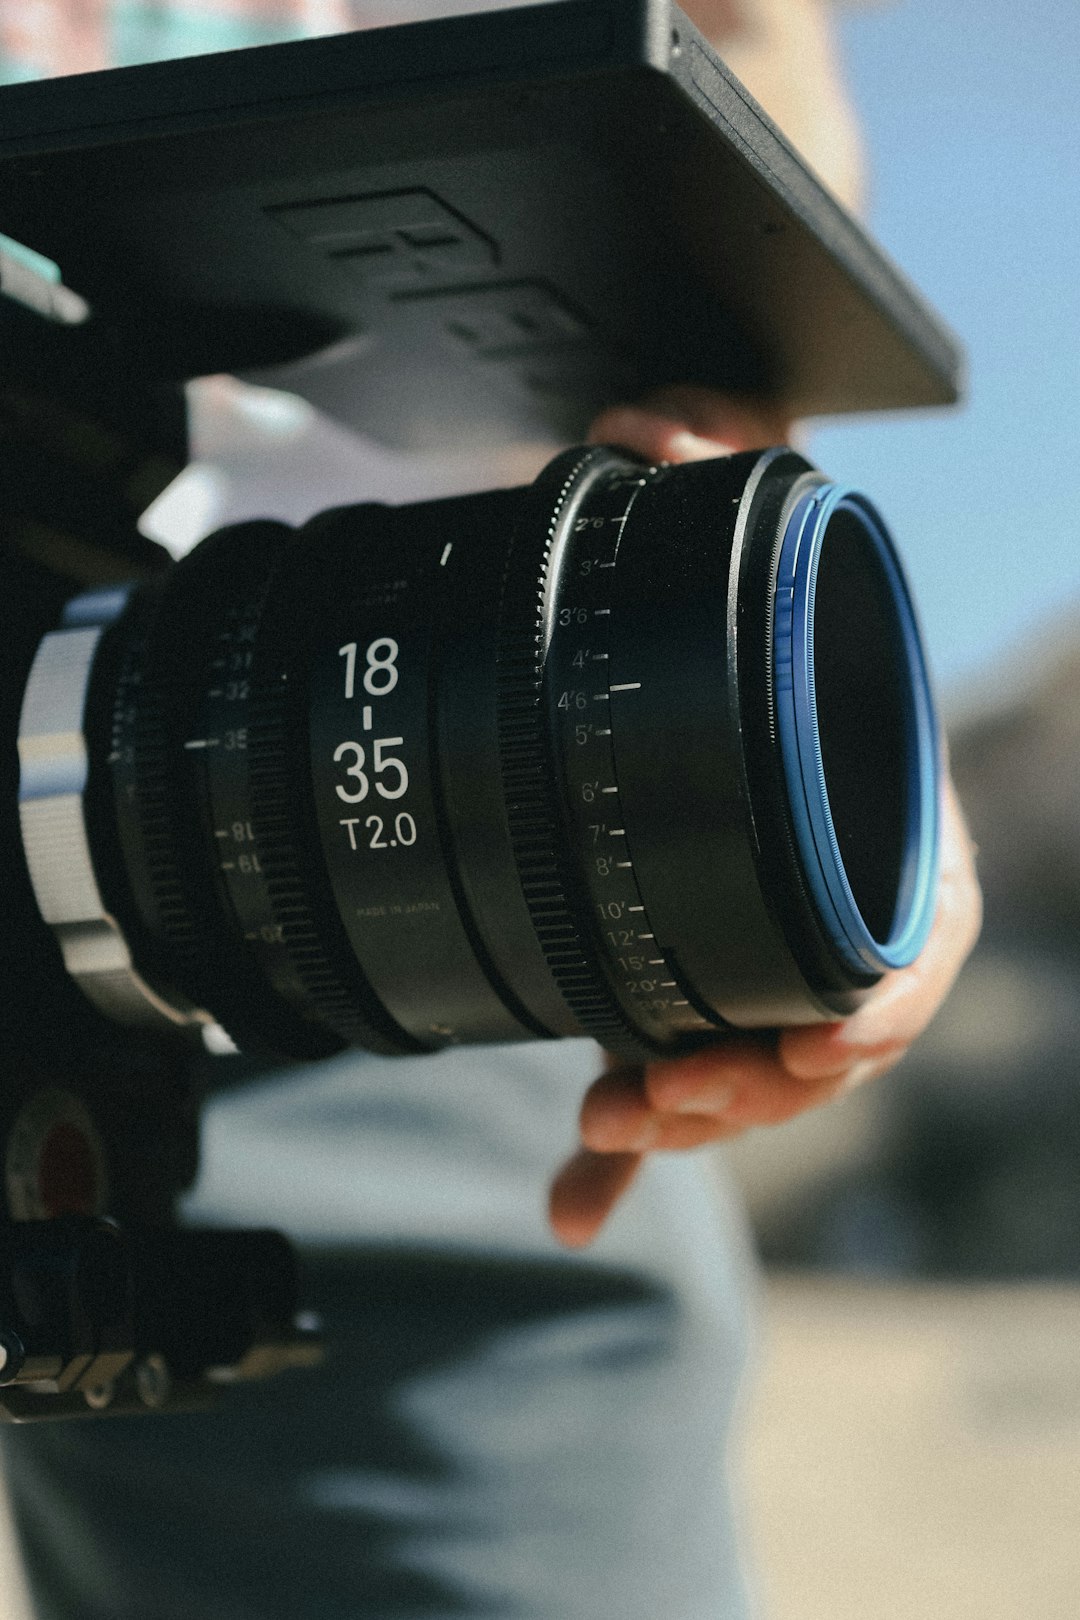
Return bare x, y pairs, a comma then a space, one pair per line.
857, 730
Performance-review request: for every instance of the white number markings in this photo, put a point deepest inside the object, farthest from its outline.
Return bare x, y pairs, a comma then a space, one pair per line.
404, 831
379, 762
381, 673
387, 762
356, 769
390, 773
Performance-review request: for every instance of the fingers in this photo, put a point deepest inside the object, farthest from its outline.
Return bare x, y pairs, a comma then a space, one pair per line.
687, 1102
620, 1115
585, 1192
670, 1106
708, 1096
736, 1085
689, 423
899, 1012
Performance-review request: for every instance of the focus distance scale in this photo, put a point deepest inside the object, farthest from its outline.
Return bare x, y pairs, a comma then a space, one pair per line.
638, 752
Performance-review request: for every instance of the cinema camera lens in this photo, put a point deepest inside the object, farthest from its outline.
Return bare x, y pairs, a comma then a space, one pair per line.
638, 752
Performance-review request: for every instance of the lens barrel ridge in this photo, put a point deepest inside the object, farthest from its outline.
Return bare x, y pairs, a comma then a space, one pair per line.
639, 752
572, 837
538, 616
367, 699
298, 929
163, 666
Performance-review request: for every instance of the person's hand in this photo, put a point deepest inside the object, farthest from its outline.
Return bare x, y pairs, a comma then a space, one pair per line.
687, 1102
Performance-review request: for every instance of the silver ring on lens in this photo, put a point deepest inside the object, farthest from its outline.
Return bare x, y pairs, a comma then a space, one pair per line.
53, 768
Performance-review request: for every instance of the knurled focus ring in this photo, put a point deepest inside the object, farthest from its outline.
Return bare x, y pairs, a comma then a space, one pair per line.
533, 811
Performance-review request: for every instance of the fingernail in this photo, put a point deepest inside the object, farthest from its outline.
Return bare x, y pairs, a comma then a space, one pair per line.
610, 1135
858, 1075
717, 1100
875, 1023
643, 1139
687, 446
835, 1059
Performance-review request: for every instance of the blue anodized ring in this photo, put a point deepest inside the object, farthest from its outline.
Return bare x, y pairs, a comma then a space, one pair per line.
800, 742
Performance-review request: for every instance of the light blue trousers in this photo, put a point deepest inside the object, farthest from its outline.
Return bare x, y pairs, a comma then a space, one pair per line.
499, 1429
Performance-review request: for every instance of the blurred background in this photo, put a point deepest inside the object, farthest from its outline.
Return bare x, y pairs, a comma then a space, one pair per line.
969, 1169
912, 1444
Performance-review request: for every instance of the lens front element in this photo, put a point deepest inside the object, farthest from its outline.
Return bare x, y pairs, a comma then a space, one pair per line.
857, 731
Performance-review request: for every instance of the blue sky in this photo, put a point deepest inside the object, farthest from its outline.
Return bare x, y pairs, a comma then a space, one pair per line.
972, 116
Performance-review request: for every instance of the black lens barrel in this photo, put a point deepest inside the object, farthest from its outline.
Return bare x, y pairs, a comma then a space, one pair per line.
509, 765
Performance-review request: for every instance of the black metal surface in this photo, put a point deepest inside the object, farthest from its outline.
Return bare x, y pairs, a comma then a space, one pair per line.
172, 702
488, 769
95, 1318
482, 228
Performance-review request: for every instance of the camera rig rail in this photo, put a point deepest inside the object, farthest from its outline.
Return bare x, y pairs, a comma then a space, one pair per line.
99, 1317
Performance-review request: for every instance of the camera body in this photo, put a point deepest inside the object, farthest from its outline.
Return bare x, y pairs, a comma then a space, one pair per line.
472, 836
